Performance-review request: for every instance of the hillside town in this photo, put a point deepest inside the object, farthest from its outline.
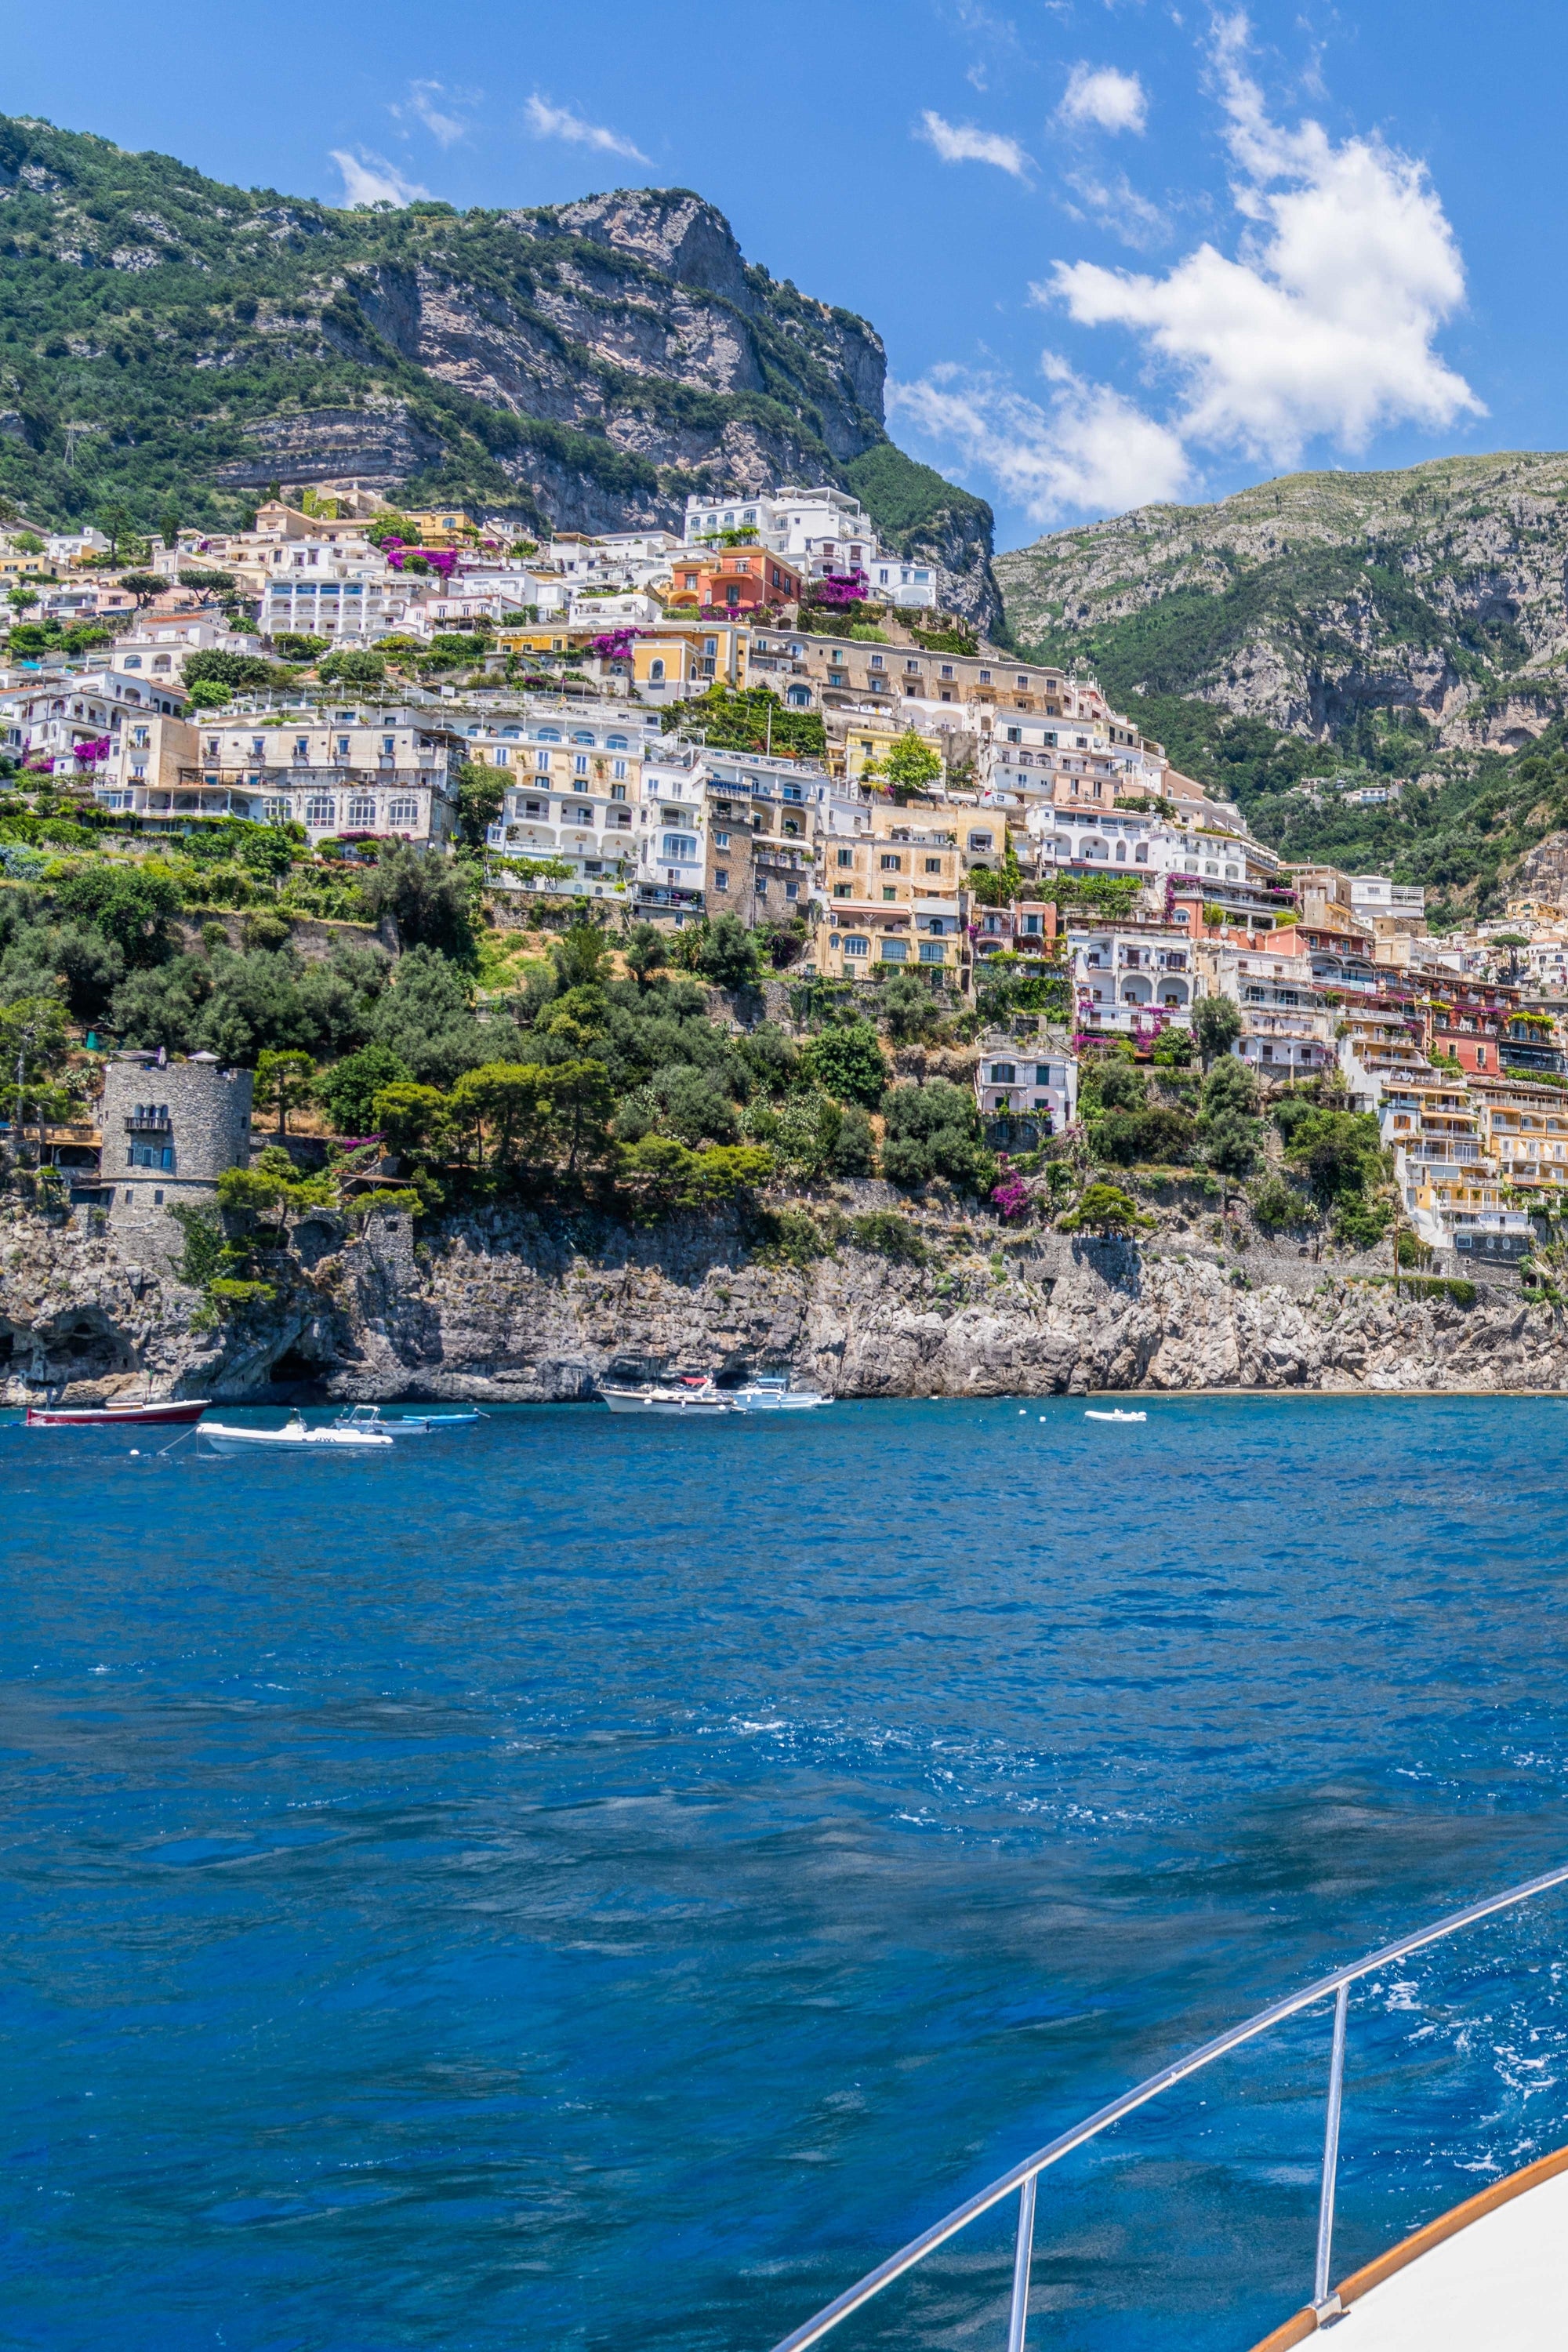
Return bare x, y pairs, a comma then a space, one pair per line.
769, 719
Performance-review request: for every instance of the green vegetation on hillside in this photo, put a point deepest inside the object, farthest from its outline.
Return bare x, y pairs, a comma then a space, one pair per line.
913, 505
155, 322
1369, 612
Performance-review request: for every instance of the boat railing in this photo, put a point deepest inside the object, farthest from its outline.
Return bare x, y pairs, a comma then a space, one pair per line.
1021, 2178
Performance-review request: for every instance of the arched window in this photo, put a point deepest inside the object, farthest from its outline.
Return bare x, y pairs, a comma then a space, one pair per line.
800, 698
656, 673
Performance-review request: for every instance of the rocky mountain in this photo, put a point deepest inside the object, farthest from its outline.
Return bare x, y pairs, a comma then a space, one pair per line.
169, 339
1407, 626
1310, 601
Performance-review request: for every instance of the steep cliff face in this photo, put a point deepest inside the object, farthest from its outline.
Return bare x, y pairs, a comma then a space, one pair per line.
586, 364
500, 1308
1437, 591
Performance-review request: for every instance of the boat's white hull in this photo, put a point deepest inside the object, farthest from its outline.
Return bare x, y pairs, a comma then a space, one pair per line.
678, 1408
799, 1400
225, 1439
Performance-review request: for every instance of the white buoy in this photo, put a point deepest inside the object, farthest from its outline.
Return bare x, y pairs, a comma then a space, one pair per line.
135, 1453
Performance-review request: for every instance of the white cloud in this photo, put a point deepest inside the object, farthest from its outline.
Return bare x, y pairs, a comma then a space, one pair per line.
1324, 324
547, 121
431, 102
1087, 450
961, 142
1099, 98
370, 180
1116, 205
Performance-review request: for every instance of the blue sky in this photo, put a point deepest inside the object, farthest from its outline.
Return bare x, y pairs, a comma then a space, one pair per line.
1118, 250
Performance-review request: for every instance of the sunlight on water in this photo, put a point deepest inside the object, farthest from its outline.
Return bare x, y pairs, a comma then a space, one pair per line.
604, 1883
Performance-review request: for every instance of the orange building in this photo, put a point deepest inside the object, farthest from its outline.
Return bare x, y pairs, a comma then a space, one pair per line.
736, 579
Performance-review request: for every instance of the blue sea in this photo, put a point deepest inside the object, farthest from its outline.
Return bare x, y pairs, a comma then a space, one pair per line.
600, 1883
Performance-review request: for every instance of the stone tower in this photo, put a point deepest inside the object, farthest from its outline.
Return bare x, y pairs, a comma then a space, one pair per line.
169, 1134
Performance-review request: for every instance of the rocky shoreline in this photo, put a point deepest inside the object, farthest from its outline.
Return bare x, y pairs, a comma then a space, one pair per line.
500, 1307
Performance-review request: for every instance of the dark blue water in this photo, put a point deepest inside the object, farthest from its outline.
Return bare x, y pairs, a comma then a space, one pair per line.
599, 1882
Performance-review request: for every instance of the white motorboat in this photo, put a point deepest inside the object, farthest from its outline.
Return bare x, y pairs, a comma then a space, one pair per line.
770, 1393
295, 1437
404, 1424
370, 1416
1116, 1416
694, 1396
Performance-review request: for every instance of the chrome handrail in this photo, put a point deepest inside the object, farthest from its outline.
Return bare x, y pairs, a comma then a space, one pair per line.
1023, 2176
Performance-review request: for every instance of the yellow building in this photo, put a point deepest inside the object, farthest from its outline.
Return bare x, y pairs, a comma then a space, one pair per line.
1436, 1125
894, 897
442, 526
1526, 1132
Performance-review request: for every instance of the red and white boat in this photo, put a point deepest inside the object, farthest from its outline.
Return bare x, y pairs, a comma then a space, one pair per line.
144, 1414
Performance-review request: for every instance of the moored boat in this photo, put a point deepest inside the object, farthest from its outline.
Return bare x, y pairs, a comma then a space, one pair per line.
370, 1416
691, 1396
771, 1393
145, 1413
1116, 1416
403, 1424
295, 1437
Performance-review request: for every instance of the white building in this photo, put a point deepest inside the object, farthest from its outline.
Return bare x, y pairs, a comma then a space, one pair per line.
1373, 894
316, 588
574, 782
66, 546
56, 720
158, 649
388, 774
1037, 1078
1136, 977
672, 848
1287, 1032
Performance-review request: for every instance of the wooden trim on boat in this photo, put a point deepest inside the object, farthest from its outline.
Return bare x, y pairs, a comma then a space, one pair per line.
1302, 2323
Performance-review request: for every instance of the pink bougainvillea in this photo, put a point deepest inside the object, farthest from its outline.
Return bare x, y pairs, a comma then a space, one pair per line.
1012, 1198
841, 589
615, 644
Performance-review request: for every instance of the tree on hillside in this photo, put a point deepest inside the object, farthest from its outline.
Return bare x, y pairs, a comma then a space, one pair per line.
427, 897
645, 953
1216, 1025
284, 1082
727, 953
131, 904
934, 1130
351, 666
350, 1087
425, 1017
481, 796
908, 768
1105, 1209
847, 1063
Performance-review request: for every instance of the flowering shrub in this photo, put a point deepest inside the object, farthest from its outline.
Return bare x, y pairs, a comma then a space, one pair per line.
841, 589
1012, 1197
615, 644
442, 560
